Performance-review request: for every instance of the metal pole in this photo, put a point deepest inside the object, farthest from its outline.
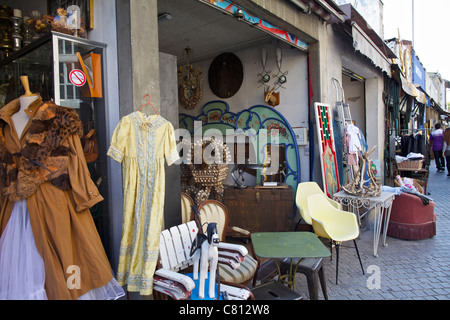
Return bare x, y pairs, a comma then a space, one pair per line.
413, 23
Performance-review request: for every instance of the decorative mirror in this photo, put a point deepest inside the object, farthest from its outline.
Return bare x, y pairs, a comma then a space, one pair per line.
225, 76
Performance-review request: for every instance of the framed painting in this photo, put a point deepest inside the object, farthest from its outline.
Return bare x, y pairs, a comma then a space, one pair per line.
327, 148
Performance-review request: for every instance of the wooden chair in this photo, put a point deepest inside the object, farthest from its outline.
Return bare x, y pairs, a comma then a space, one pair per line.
186, 207
215, 211
175, 257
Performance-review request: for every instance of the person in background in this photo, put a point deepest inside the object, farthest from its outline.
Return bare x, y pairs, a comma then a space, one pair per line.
446, 149
437, 138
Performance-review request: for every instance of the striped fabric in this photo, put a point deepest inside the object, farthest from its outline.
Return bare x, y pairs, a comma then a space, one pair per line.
242, 274
213, 212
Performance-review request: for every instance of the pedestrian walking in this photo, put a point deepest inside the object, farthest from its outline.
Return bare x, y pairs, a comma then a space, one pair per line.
446, 149
436, 138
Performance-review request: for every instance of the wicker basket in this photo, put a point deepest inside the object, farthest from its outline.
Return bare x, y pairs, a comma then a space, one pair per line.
410, 165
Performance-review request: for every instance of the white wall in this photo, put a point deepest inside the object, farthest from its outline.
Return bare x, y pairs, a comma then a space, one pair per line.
294, 99
336, 52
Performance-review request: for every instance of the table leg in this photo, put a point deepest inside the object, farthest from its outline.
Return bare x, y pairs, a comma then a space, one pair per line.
289, 278
286, 278
377, 228
387, 216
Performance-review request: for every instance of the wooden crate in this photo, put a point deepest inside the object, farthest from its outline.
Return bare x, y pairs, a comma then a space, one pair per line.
261, 210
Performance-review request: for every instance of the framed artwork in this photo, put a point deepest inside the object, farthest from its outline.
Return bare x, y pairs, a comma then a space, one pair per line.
328, 159
86, 7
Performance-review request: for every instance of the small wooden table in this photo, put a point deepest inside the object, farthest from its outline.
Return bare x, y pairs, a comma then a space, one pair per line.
291, 245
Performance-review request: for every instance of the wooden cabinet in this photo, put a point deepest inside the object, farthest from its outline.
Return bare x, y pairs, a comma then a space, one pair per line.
261, 209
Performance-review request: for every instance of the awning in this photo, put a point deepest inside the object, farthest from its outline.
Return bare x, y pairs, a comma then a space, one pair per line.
363, 44
421, 97
408, 87
412, 91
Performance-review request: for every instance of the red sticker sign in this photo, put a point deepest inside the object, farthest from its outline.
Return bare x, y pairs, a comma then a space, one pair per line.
77, 77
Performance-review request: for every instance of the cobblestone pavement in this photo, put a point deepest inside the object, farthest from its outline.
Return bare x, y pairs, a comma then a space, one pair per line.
409, 270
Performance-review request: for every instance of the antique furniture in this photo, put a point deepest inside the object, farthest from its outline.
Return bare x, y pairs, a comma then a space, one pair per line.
186, 207
261, 209
262, 125
411, 219
175, 256
334, 224
381, 205
212, 211
291, 245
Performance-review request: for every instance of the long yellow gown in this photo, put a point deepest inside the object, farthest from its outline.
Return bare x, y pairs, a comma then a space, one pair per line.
141, 144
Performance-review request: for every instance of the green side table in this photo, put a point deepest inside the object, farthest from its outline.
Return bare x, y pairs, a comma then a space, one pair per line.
291, 245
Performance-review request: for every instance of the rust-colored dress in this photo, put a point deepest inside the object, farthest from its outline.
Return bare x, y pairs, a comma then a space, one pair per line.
64, 232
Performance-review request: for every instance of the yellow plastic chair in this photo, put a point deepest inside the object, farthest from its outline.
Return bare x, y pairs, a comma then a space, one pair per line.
334, 224
304, 190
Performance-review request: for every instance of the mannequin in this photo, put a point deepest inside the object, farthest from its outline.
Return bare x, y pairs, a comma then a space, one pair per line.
20, 118
46, 227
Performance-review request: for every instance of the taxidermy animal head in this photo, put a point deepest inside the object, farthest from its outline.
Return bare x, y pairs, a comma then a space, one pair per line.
272, 98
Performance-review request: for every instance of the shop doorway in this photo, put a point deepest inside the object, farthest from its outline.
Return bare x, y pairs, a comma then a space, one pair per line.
354, 88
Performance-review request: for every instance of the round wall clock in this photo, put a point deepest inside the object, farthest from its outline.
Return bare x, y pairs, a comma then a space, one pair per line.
225, 75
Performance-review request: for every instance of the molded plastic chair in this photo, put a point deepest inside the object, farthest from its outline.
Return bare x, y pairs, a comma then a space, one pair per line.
186, 207
215, 211
304, 190
334, 224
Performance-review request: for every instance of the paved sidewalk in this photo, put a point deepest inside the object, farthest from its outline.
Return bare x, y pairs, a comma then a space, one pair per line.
409, 270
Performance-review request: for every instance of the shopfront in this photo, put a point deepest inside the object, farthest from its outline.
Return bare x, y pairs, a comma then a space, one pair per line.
252, 71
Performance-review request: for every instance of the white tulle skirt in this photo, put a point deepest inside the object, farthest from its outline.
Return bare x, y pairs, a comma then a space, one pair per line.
22, 271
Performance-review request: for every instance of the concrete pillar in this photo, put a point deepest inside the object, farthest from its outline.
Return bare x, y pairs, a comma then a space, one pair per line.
137, 37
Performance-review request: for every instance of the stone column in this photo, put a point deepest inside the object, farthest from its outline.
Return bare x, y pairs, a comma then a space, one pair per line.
138, 54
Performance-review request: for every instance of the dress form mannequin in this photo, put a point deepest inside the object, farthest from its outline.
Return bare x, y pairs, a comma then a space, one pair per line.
20, 118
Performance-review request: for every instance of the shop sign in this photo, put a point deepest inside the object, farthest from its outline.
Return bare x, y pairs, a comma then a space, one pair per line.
235, 10
418, 72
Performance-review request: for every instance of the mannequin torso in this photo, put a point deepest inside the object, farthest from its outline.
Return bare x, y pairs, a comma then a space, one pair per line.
20, 118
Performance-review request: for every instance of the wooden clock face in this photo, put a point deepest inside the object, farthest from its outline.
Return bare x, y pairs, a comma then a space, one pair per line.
225, 75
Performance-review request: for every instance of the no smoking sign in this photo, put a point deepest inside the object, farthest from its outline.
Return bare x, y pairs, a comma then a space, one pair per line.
77, 78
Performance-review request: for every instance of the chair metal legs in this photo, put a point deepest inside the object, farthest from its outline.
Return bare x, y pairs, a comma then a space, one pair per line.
337, 245
337, 260
357, 252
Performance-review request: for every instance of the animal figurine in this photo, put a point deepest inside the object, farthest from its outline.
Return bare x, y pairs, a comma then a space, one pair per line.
271, 97
208, 255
